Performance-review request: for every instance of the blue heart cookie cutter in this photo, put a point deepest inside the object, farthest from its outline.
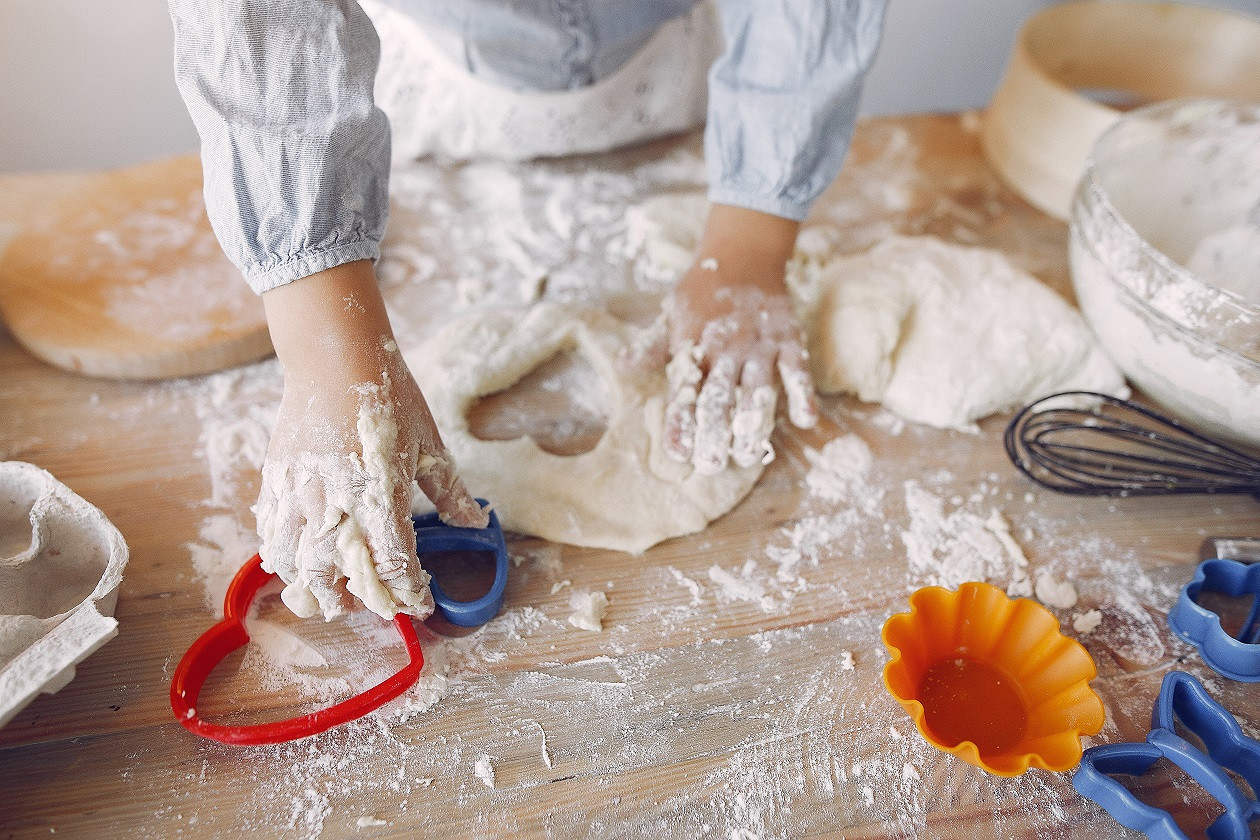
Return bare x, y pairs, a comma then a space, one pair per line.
433, 535
1182, 699
1235, 657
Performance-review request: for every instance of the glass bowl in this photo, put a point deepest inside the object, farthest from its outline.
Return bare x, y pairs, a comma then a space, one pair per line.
1163, 187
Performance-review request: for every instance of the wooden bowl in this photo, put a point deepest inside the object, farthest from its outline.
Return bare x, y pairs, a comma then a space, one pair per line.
1077, 66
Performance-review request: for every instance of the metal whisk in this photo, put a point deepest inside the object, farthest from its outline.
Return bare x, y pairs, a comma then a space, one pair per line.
1095, 445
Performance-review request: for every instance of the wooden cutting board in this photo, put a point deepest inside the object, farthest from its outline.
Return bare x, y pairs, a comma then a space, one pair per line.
118, 274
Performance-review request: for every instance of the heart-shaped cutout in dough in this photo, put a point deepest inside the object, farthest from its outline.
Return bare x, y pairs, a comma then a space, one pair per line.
624, 494
562, 405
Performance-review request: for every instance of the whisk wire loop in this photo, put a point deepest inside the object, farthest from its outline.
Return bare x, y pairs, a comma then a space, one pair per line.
1088, 443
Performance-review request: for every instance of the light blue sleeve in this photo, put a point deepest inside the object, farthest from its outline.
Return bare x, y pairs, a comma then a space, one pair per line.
295, 154
783, 99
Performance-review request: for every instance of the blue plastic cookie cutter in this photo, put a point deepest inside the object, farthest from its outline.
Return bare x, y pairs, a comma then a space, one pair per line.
1235, 657
433, 535
1182, 699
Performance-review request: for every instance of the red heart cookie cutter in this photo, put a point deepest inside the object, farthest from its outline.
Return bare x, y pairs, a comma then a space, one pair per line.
229, 634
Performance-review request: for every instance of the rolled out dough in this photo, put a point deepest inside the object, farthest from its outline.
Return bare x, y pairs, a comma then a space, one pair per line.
944, 334
624, 494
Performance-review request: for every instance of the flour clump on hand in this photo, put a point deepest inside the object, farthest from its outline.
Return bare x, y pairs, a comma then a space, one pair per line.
944, 335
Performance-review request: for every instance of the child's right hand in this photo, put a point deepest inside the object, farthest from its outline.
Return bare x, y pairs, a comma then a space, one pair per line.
352, 434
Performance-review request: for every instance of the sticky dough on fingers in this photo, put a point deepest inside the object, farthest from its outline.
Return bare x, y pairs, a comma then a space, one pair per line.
683, 376
336, 524
438, 479
713, 417
753, 420
798, 385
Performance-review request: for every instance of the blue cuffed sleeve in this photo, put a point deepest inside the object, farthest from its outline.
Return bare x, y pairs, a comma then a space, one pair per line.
783, 99
295, 154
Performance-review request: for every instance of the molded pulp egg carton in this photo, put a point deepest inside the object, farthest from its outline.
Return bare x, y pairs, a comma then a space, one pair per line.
61, 563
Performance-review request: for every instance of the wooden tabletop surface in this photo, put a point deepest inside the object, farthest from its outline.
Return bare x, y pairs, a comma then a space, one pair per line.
718, 701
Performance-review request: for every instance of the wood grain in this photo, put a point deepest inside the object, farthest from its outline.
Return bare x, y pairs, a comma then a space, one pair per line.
695, 713
117, 274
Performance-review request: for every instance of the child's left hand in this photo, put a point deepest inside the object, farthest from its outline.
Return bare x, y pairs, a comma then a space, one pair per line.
733, 337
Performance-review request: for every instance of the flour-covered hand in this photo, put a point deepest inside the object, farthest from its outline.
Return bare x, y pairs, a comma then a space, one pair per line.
352, 437
722, 379
733, 339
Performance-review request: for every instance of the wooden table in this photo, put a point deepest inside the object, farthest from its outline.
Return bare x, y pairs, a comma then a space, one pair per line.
703, 709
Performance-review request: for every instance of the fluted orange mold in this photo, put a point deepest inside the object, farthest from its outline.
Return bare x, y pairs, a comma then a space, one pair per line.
991, 679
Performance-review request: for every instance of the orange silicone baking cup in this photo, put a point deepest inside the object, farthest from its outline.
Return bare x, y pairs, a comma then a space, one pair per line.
991, 679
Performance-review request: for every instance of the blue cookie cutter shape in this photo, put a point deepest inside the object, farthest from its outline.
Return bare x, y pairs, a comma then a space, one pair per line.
1236, 658
1182, 699
433, 535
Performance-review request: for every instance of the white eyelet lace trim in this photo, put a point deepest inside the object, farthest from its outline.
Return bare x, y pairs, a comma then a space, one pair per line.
437, 107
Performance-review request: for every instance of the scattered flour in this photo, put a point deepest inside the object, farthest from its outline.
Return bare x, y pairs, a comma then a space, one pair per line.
1086, 622
743, 585
484, 770
950, 549
783, 749
1060, 594
692, 586
842, 465
235, 409
546, 754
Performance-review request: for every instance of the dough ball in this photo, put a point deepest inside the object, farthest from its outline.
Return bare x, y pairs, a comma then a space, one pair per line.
944, 335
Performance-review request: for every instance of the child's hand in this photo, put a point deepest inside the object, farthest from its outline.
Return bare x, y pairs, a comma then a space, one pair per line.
732, 338
352, 434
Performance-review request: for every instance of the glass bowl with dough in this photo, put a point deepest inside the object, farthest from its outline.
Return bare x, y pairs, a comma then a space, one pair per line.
1165, 258
991, 679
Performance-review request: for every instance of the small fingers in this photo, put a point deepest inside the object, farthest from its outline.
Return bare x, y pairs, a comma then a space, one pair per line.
318, 582
713, 417
753, 420
391, 542
279, 533
683, 375
439, 480
798, 385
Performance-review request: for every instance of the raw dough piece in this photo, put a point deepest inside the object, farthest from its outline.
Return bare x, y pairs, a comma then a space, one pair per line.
665, 230
1086, 622
624, 494
945, 335
588, 610
1059, 594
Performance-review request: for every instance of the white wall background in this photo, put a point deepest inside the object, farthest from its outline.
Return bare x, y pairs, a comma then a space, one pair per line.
88, 83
